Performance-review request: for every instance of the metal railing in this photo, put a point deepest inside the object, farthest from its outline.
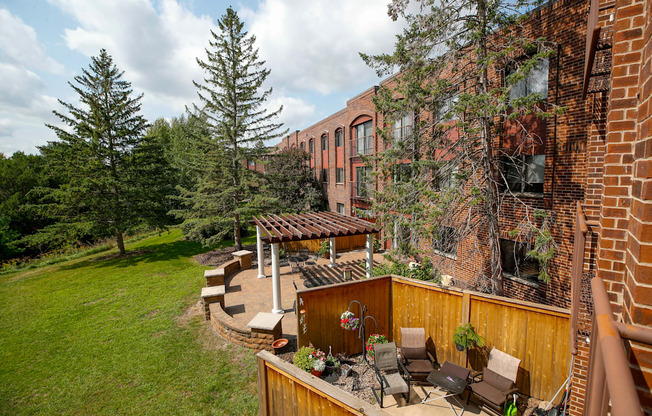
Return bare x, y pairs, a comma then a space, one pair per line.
362, 146
610, 384
402, 133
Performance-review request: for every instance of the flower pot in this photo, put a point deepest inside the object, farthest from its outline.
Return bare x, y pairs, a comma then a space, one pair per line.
279, 344
316, 373
460, 347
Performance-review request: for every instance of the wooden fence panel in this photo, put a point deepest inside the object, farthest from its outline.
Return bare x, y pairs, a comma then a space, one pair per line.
324, 306
536, 335
439, 311
285, 390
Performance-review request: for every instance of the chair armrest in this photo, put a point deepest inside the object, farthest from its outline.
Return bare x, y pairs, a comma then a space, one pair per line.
404, 371
432, 359
511, 391
476, 376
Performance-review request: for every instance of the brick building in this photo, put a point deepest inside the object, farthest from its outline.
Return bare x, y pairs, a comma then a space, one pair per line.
568, 158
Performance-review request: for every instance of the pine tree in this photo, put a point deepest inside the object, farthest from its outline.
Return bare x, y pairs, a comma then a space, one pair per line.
115, 174
226, 193
450, 59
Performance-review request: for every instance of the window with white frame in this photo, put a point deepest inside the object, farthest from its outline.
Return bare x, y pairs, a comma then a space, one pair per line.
324, 142
339, 175
516, 261
340, 208
445, 241
536, 81
364, 139
339, 140
402, 127
524, 173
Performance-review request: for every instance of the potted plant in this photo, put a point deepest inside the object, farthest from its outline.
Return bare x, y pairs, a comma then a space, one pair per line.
373, 340
318, 367
332, 363
324, 249
466, 338
348, 321
305, 358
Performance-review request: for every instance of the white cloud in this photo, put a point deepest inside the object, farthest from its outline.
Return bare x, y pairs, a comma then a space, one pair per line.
313, 45
296, 112
24, 103
155, 48
20, 46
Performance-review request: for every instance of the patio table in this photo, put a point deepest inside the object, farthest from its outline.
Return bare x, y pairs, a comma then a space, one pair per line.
452, 385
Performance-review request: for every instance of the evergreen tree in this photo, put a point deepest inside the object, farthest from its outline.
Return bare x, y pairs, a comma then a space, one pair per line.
114, 173
453, 57
227, 193
291, 183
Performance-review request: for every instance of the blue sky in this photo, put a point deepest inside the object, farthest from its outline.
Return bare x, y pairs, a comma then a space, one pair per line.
311, 47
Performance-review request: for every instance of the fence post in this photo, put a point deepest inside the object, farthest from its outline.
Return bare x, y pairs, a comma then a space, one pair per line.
262, 388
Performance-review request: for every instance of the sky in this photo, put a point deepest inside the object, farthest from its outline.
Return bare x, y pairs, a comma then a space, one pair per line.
311, 47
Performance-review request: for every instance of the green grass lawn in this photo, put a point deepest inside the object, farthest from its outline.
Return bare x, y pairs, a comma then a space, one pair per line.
100, 335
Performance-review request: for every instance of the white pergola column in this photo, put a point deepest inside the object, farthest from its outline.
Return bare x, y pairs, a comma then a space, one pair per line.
333, 252
370, 253
261, 254
276, 280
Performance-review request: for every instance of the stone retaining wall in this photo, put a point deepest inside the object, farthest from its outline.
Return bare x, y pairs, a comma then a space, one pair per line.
229, 329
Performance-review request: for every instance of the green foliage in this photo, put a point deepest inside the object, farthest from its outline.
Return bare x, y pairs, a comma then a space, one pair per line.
115, 177
466, 338
324, 247
226, 193
305, 358
373, 340
291, 184
420, 271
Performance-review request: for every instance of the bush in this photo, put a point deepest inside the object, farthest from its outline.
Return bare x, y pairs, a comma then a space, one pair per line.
306, 356
373, 340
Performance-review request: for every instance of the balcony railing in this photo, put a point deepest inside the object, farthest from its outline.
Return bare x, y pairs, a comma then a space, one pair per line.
610, 384
402, 133
362, 146
361, 190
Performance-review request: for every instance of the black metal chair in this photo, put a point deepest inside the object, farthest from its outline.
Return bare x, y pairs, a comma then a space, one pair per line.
390, 372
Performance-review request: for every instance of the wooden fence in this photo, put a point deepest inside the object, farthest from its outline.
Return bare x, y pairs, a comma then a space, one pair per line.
324, 305
536, 334
342, 244
284, 389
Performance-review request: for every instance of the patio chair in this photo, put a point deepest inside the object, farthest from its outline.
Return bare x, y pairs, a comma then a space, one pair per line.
418, 361
390, 372
498, 381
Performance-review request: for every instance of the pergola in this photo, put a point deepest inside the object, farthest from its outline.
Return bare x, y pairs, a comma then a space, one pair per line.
275, 229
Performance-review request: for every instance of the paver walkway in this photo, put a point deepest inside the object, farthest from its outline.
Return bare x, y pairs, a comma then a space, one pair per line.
246, 295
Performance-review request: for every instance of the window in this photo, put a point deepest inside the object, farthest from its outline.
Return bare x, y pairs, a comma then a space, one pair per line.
340, 208
324, 142
362, 183
445, 177
311, 146
536, 81
302, 146
445, 241
515, 260
339, 175
338, 138
251, 163
324, 175
403, 127
364, 139
524, 173
446, 106
402, 172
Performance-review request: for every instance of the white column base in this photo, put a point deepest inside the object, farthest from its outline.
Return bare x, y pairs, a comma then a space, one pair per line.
262, 276
280, 311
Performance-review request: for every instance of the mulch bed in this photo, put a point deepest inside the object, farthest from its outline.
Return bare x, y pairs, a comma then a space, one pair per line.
359, 380
216, 257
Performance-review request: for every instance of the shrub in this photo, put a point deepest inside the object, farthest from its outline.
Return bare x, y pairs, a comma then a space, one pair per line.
306, 356
373, 340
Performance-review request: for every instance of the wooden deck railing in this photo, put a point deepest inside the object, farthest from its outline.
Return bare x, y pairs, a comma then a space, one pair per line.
286, 390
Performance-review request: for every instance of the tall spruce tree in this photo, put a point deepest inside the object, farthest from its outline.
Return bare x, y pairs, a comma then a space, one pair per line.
116, 177
227, 192
463, 66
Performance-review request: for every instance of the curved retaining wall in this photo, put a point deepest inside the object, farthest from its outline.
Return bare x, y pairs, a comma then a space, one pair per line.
229, 329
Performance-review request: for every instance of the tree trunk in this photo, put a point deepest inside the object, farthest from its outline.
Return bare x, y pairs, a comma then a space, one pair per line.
120, 241
236, 232
491, 191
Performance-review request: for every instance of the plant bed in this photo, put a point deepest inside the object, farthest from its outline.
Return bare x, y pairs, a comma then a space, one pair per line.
358, 382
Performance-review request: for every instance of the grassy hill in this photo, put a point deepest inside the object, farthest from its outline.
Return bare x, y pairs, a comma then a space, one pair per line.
109, 335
